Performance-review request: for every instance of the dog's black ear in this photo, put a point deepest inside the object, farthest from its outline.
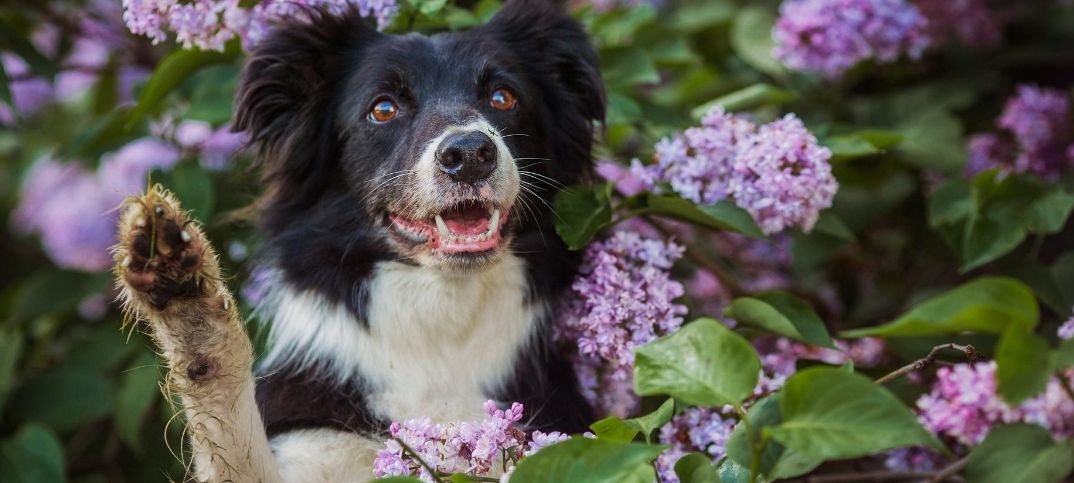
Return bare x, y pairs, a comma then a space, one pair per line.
557, 50
286, 99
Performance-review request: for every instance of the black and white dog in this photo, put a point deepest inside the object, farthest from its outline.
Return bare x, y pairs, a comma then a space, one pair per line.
415, 268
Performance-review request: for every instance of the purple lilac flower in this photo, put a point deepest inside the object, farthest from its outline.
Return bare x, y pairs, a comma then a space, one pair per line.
608, 392
458, 447
831, 36
1066, 330
66, 207
625, 179
782, 177
971, 22
1035, 136
963, 405
209, 24
125, 170
777, 172
218, 149
913, 459
623, 298
696, 429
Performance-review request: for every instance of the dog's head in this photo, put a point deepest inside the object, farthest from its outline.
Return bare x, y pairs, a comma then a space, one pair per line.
450, 145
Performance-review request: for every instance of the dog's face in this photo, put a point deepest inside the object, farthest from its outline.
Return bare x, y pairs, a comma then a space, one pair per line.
451, 145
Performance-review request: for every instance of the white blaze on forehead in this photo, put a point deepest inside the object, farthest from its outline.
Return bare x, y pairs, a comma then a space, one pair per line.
502, 185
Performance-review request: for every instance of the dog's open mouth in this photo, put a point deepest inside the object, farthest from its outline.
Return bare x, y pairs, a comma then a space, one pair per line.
463, 228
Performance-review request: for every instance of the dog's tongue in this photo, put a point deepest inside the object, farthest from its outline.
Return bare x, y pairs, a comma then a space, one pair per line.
473, 220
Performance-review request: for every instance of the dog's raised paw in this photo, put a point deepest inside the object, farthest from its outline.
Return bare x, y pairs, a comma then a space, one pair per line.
162, 255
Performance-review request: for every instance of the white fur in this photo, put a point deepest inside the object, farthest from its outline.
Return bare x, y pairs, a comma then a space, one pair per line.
503, 184
324, 455
438, 342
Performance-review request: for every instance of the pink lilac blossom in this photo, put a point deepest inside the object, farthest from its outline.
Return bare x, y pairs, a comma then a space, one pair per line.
623, 298
1066, 329
963, 405
782, 177
971, 22
696, 429
210, 24
125, 171
1035, 136
777, 172
472, 447
913, 459
831, 36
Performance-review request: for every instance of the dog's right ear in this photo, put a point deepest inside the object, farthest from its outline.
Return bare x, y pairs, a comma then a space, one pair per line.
286, 99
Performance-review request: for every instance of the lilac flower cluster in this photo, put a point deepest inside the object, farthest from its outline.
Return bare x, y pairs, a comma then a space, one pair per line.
696, 429
831, 36
1066, 329
971, 22
209, 24
623, 298
100, 33
963, 405
72, 208
1035, 136
474, 448
777, 172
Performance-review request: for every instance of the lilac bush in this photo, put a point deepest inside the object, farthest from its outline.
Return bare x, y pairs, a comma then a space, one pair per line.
1035, 136
831, 36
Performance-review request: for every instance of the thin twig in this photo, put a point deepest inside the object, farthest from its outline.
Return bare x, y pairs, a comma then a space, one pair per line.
950, 470
414, 454
868, 476
927, 361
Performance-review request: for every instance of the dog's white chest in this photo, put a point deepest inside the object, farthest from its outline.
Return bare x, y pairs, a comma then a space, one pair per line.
437, 343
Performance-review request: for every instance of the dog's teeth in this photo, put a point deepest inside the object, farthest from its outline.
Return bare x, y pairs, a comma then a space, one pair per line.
442, 226
494, 224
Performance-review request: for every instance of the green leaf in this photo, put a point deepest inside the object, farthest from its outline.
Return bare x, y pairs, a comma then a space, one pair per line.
704, 364
612, 428
829, 413
1024, 364
137, 392
628, 67
32, 455
860, 144
934, 140
171, 72
1020, 453
732, 472
650, 422
5, 88
53, 291
752, 97
431, 7
782, 313
1049, 213
986, 304
953, 201
104, 134
987, 239
776, 460
696, 468
1064, 355
751, 39
589, 460
723, 215
10, 351
830, 224
192, 186
620, 27
63, 398
581, 212
693, 17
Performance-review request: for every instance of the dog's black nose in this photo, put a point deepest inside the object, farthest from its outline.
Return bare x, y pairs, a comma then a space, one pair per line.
468, 157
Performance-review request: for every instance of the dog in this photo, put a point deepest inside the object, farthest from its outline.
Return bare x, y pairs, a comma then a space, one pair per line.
412, 260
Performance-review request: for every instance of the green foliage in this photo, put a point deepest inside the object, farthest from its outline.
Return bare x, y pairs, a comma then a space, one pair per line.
1020, 453
617, 429
594, 460
696, 468
781, 313
704, 363
830, 413
32, 455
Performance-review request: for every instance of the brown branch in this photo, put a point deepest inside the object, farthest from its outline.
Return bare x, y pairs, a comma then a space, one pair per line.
927, 361
868, 476
950, 471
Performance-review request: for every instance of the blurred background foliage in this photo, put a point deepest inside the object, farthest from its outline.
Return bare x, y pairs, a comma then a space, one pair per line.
79, 399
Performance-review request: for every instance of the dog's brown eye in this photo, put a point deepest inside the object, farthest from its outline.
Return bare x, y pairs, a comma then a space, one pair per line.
502, 100
383, 111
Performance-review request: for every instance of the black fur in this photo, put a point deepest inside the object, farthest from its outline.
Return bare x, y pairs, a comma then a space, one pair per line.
303, 98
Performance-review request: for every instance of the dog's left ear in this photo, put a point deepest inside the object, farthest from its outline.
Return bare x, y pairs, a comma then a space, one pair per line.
548, 41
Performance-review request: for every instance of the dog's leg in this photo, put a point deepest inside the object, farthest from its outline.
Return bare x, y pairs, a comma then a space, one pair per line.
168, 276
